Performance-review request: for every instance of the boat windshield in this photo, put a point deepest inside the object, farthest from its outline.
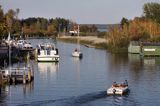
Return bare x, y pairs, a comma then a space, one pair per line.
47, 47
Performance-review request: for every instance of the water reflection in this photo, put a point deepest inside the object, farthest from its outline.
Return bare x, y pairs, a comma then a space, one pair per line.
76, 63
28, 88
51, 67
143, 61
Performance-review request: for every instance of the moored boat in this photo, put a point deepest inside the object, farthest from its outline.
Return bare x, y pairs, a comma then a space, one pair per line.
118, 88
47, 52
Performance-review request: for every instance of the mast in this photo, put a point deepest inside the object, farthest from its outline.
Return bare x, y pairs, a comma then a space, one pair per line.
9, 52
78, 38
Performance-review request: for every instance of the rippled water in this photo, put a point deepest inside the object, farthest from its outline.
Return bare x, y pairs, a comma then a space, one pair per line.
83, 82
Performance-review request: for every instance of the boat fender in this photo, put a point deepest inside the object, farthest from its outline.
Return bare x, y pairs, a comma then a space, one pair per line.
56, 59
114, 91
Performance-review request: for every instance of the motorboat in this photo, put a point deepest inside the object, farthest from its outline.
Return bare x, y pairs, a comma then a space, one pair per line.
47, 52
24, 44
118, 88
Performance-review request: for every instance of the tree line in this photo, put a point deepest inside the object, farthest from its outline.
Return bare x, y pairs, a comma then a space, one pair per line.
9, 22
144, 28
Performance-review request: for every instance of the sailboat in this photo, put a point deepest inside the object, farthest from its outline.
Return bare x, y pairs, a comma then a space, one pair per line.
77, 52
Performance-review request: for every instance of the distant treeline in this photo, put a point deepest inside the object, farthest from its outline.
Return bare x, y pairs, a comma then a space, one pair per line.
144, 28
9, 22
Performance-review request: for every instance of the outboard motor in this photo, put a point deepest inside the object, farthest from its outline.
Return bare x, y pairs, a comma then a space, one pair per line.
56, 51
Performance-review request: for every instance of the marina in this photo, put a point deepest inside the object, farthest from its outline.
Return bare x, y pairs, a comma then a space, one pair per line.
74, 81
71, 53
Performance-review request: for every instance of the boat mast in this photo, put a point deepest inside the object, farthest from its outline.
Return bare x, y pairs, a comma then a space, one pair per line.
9, 53
78, 38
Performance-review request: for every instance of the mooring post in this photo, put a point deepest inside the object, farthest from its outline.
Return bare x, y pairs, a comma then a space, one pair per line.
35, 54
24, 78
29, 74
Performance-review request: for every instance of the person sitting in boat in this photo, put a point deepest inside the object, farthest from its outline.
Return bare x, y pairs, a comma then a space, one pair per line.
76, 50
126, 82
114, 84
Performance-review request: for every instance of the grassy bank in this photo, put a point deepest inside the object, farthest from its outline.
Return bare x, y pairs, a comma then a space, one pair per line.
89, 41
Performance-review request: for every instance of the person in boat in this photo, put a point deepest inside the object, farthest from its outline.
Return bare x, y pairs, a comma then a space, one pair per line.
76, 50
114, 84
126, 82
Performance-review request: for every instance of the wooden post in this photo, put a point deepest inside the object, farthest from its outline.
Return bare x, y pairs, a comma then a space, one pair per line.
29, 74
14, 80
35, 54
24, 78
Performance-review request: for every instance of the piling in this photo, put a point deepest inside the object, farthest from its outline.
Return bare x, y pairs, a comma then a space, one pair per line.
29, 74
14, 80
24, 78
35, 54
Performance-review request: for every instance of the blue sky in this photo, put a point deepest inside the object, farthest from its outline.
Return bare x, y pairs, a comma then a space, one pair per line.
80, 11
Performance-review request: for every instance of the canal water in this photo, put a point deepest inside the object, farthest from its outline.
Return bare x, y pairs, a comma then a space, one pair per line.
83, 82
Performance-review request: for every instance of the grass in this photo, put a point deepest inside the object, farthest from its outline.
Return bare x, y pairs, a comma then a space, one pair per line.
88, 41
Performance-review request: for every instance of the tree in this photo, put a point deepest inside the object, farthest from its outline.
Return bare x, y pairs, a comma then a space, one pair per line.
9, 19
152, 11
17, 12
124, 21
1, 14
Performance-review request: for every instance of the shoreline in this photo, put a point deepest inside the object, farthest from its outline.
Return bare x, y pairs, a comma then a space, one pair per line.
88, 41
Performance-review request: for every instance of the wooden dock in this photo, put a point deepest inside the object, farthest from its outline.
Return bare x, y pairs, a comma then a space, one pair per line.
16, 76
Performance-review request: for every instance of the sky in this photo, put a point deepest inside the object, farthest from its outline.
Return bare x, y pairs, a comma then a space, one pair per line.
80, 11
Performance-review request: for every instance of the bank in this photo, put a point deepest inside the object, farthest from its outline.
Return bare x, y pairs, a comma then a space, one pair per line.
88, 41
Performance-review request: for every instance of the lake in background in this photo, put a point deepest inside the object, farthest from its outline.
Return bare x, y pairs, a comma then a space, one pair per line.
83, 82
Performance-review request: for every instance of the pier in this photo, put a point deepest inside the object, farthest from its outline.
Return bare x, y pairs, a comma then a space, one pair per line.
16, 76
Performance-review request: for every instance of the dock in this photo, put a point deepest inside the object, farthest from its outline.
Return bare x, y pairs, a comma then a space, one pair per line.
16, 76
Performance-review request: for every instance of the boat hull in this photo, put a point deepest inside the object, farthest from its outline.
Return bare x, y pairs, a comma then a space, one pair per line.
77, 54
117, 90
48, 58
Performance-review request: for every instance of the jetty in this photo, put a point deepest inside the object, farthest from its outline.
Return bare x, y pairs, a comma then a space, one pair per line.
16, 76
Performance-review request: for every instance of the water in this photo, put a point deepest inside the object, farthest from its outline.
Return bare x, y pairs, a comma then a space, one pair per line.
83, 82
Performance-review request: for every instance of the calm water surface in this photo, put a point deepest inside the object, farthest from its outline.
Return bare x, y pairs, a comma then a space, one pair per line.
83, 82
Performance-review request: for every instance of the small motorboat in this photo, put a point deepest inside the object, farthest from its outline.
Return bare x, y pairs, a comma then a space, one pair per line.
118, 88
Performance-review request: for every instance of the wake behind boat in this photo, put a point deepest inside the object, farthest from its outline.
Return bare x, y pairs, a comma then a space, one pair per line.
118, 88
47, 52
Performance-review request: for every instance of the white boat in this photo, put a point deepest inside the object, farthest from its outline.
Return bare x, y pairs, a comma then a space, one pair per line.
47, 52
118, 89
76, 52
24, 44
